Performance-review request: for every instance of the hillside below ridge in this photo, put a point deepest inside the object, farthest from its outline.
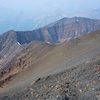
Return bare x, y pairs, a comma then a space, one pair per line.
42, 59
81, 82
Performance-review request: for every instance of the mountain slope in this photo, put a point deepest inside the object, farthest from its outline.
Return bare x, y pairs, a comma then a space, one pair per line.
63, 30
46, 59
12, 42
59, 31
80, 82
9, 47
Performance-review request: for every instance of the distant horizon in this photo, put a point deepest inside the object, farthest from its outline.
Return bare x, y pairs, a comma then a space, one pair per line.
44, 6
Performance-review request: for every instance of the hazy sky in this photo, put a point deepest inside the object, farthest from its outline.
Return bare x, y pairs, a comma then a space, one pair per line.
50, 5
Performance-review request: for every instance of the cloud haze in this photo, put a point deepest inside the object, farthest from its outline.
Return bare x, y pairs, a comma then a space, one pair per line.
42, 6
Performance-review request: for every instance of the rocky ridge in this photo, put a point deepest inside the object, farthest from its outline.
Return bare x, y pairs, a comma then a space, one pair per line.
13, 42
